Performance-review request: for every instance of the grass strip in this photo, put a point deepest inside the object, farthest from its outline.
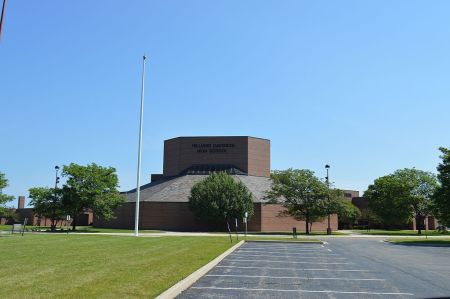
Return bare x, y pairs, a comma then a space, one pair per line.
406, 241
400, 232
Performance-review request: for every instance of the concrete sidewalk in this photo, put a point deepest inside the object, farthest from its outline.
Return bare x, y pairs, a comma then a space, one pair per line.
262, 236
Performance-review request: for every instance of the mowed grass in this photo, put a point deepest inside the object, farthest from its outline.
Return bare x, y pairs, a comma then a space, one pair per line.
5, 227
399, 232
98, 266
80, 229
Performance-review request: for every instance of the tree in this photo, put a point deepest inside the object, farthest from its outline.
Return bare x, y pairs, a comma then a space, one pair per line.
421, 185
385, 200
219, 198
47, 203
442, 195
91, 187
301, 193
335, 203
348, 213
370, 218
402, 195
3, 197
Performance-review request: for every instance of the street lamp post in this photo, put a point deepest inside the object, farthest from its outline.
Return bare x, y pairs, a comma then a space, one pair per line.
327, 167
53, 228
56, 177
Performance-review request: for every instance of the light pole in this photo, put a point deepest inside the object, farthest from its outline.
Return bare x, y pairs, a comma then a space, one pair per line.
53, 226
141, 121
56, 177
327, 167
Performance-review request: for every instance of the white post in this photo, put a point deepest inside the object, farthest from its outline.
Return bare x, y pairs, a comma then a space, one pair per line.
138, 183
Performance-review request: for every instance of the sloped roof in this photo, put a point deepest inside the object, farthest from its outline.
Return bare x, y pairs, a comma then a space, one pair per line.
178, 189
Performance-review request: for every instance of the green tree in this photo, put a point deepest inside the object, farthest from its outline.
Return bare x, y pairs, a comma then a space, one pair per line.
3, 197
370, 218
442, 195
91, 187
336, 203
219, 198
348, 213
402, 195
422, 186
301, 193
47, 203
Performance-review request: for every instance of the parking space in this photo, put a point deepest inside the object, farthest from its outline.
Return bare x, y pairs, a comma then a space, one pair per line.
291, 270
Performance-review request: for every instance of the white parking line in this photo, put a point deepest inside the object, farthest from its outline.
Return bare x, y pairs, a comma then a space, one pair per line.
286, 262
326, 252
284, 268
303, 291
287, 256
285, 248
295, 277
278, 252
281, 248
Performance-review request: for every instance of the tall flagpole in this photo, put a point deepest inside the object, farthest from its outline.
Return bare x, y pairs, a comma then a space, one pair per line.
1, 17
138, 183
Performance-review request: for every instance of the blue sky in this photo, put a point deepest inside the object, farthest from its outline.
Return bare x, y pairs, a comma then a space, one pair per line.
360, 85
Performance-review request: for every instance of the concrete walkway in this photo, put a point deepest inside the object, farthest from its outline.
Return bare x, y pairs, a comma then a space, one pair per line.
343, 234
347, 234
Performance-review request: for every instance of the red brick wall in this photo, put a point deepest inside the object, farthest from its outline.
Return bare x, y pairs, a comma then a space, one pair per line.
255, 222
430, 224
259, 157
275, 220
251, 155
161, 216
34, 220
177, 216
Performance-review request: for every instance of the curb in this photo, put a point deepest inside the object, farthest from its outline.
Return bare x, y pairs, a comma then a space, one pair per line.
182, 285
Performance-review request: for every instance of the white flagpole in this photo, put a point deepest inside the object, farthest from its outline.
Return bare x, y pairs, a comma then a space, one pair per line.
138, 183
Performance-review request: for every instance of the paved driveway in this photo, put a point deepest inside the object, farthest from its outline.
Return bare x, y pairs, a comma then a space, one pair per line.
332, 270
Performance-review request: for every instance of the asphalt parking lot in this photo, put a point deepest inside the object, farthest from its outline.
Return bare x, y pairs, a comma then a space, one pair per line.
341, 268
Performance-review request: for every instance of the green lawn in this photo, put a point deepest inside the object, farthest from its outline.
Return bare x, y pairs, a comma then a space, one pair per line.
5, 227
398, 232
407, 241
81, 229
99, 266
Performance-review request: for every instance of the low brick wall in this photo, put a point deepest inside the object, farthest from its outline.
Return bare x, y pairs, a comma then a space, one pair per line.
82, 220
178, 217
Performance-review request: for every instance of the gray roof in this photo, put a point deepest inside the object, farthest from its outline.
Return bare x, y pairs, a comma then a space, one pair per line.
178, 189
